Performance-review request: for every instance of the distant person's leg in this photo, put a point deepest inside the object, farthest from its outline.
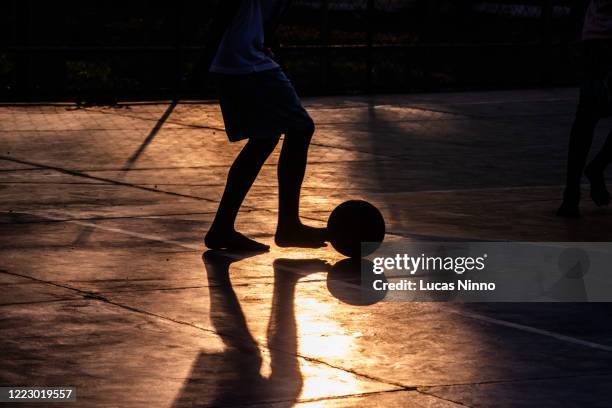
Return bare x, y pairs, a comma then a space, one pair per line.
581, 138
242, 175
595, 173
595, 170
588, 115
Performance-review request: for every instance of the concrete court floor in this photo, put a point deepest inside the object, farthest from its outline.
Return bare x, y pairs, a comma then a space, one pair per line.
104, 286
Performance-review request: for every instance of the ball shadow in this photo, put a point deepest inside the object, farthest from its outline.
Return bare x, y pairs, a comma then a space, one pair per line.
351, 281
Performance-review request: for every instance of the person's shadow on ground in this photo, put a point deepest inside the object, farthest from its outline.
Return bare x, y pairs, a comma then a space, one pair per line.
234, 376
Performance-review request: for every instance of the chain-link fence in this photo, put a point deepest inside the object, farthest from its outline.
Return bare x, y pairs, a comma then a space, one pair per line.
142, 49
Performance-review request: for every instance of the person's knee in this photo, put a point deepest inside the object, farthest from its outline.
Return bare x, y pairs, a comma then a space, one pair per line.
303, 131
264, 146
308, 127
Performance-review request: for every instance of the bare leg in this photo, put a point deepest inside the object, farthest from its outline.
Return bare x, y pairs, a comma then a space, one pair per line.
291, 170
595, 173
242, 175
581, 139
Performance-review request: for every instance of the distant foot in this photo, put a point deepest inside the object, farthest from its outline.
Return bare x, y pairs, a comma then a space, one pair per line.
568, 210
599, 190
233, 241
301, 236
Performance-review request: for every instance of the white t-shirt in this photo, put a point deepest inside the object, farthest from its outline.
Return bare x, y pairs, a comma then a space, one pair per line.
242, 48
598, 20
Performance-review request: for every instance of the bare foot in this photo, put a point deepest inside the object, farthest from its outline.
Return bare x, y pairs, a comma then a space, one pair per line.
300, 236
568, 210
232, 241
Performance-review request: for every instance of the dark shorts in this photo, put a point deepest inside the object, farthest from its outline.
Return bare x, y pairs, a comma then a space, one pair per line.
261, 105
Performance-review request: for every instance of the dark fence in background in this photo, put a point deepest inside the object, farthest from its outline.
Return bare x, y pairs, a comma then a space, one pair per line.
139, 49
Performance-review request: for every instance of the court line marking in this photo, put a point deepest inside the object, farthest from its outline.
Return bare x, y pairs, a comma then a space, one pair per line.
472, 315
208, 166
477, 189
109, 181
529, 329
56, 216
516, 100
112, 218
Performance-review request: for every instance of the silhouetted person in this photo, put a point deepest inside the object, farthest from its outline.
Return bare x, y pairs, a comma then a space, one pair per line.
235, 376
259, 103
595, 103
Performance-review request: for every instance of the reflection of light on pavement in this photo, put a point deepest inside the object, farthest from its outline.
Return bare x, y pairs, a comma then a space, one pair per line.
322, 337
321, 381
320, 334
266, 370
